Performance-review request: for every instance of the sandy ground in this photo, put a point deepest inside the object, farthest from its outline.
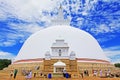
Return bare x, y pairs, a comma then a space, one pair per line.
6, 76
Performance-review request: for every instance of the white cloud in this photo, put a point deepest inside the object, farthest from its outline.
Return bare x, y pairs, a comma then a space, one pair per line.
30, 11
89, 4
104, 39
31, 28
22, 32
113, 53
6, 55
115, 25
2, 15
112, 48
9, 43
102, 28
109, 0
25, 30
27, 9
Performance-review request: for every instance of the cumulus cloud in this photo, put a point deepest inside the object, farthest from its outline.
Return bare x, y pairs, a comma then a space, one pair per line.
8, 43
2, 15
23, 18
30, 28
34, 12
26, 9
6, 55
113, 53
103, 28
20, 34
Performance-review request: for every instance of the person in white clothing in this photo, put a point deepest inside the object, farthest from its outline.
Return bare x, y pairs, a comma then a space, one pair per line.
100, 73
29, 76
95, 73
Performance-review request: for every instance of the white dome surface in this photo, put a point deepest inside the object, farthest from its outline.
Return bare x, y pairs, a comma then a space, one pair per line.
79, 41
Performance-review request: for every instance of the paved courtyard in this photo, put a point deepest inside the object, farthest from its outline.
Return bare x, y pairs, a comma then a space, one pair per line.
6, 76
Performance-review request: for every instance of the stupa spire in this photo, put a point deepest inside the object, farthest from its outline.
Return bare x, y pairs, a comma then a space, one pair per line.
59, 20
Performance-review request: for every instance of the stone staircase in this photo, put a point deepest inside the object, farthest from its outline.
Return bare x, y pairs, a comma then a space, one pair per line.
57, 75
71, 65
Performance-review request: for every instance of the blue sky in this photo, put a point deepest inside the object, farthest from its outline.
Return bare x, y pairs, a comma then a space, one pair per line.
21, 18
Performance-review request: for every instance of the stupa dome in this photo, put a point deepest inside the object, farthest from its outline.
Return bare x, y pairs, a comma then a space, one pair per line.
79, 41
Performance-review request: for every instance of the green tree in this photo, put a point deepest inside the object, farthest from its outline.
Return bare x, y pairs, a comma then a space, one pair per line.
117, 65
4, 63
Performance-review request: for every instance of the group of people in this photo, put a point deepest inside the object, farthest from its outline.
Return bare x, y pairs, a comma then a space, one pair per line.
86, 73
27, 74
13, 73
66, 74
100, 72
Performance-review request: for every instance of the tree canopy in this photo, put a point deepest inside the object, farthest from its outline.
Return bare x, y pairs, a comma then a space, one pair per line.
117, 65
4, 63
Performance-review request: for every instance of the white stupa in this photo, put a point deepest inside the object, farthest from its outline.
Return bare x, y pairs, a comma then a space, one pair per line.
84, 45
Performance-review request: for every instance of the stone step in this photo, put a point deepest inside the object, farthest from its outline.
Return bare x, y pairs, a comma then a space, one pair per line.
55, 75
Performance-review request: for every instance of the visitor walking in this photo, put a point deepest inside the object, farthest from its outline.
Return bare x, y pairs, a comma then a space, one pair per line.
81, 75
15, 73
105, 73
108, 73
49, 76
95, 73
29, 75
100, 73
11, 74
87, 73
